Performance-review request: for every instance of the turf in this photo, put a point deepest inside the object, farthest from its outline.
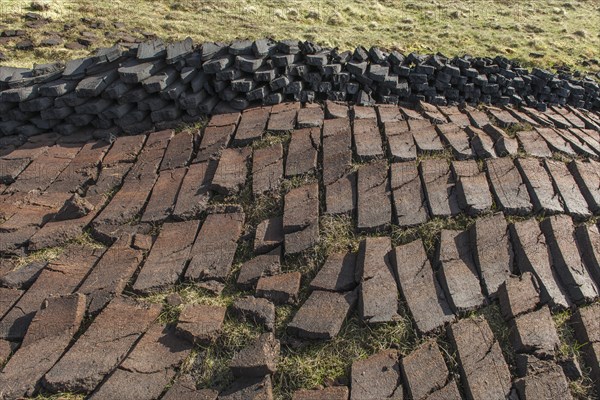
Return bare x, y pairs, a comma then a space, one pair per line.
536, 32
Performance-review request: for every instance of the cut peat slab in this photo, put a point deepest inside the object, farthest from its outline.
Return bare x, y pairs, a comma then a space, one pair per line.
410, 204
423, 294
374, 188
378, 300
484, 372
508, 187
457, 271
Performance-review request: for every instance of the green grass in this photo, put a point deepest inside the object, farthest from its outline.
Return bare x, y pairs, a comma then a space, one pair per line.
558, 32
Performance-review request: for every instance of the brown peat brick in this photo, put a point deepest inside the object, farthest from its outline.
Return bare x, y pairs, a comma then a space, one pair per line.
378, 301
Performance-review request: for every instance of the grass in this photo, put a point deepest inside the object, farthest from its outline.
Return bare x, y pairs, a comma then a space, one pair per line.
192, 129
582, 388
302, 364
52, 253
310, 364
59, 396
568, 345
211, 369
449, 355
501, 331
338, 234
429, 232
514, 129
535, 32
446, 154
315, 363
189, 294
270, 138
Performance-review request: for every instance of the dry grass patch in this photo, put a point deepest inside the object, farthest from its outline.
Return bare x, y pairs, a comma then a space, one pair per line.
312, 364
59, 396
429, 232
211, 366
446, 154
338, 234
52, 253
271, 138
582, 388
190, 294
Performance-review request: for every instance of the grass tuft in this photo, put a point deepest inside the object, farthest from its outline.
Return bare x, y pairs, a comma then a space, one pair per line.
312, 364
512, 130
59, 396
570, 349
298, 181
338, 234
429, 232
190, 294
52, 253
211, 368
568, 345
270, 139
446, 154
501, 331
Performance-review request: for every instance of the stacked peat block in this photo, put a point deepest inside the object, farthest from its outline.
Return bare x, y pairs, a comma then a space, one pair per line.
157, 84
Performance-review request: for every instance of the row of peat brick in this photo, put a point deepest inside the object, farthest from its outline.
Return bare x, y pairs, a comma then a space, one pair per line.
467, 271
180, 185
159, 83
422, 374
48, 277
152, 363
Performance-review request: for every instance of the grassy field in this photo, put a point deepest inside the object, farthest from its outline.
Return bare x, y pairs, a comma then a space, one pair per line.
536, 32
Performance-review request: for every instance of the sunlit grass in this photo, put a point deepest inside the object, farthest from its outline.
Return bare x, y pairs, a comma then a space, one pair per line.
536, 32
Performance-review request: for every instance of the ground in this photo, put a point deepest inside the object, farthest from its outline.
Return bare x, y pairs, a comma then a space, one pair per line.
536, 32
305, 364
